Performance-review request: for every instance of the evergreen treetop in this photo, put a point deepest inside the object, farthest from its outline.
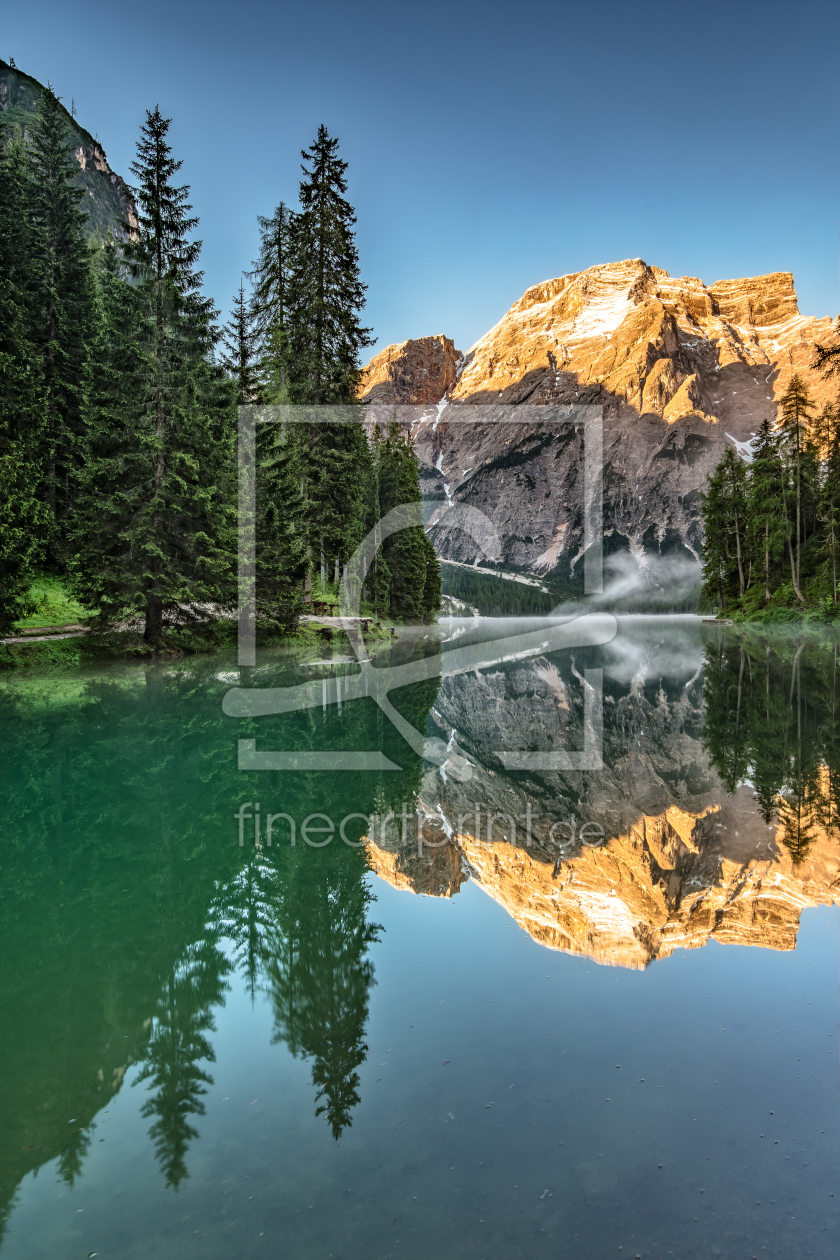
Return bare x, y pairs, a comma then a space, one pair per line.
325, 293
239, 356
270, 277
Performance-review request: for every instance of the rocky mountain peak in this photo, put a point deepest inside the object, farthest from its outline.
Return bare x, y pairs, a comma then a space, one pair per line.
680, 368
420, 371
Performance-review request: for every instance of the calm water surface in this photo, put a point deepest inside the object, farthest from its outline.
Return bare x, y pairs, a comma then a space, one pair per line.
597, 1017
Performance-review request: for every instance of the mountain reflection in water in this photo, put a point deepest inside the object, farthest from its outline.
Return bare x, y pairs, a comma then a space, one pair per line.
128, 910
718, 802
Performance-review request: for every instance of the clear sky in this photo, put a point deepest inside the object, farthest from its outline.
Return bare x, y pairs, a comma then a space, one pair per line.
491, 145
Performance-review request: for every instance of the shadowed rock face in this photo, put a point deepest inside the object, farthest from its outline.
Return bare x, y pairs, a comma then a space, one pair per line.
107, 202
681, 862
676, 366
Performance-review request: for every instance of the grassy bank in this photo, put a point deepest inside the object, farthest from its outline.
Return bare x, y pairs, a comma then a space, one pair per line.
55, 608
817, 604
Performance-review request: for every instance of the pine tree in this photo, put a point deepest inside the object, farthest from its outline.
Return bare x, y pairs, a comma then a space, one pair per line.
768, 523
736, 479
270, 278
282, 550
324, 337
715, 525
239, 357
828, 430
725, 521
65, 303
156, 532
795, 410
325, 292
22, 418
407, 553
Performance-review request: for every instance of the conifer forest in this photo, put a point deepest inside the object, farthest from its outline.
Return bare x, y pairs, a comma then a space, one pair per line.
772, 520
120, 394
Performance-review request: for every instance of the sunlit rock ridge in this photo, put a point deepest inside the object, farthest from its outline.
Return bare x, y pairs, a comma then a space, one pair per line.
681, 369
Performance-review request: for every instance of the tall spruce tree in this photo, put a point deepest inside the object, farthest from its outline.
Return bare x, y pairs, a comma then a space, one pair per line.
795, 412
156, 522
282, 551
325, 294
715, 553
65, 302
324, 336
413, 571
724, 518
769, 528
828, 430
270, 278
22, 411
239, 356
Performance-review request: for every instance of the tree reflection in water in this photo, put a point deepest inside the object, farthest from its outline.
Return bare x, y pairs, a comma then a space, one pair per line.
771, 719
298, 920
122, 884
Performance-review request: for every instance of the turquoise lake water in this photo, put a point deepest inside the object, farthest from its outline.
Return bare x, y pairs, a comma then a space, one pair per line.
599, 1020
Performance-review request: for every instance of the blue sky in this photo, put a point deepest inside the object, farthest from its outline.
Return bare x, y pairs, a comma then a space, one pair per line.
491, 145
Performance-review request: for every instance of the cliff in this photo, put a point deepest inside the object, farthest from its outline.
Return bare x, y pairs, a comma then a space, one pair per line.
680, 368
107, 201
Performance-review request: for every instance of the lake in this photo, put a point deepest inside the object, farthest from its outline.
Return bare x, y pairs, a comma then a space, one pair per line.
519, 940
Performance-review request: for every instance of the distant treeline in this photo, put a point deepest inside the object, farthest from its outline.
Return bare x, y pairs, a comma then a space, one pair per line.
493, 596
120, 389
501, 597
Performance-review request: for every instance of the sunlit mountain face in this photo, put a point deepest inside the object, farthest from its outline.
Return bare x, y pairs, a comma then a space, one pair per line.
714, 817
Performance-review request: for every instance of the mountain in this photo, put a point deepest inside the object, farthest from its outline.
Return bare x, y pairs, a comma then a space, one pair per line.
681, 369
108, 202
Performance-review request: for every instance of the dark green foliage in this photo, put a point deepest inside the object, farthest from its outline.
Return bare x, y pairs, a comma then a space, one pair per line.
828, 427
155, 534
795, 414
494, 596
413, 575
325, 295
239, 356
22, 516
337, 470
64, 304
282, 553
772, 720
270, 278
769, 527
725, 515
784, 509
